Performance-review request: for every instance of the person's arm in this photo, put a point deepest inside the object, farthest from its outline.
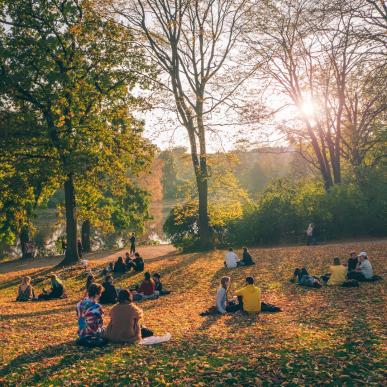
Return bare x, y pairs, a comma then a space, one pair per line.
221, 293
141, 288
239, 292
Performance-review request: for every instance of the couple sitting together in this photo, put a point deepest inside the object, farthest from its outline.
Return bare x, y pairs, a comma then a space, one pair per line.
231, 260
248, 299
125, 324
150, 287
27, 293
136, 264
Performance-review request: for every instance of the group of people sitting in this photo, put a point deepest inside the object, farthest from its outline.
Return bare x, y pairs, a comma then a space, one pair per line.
231, 259
120, 266
247, 299
358, 268
27, 293
151, 287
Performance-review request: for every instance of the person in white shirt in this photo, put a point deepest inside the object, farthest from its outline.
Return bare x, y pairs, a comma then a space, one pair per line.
365, 266
221, 295
231, 260
364, 270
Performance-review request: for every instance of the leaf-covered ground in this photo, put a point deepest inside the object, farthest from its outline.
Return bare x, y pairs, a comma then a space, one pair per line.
331, 336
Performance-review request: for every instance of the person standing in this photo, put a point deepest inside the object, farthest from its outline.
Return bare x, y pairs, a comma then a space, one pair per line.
132, 243
309, 234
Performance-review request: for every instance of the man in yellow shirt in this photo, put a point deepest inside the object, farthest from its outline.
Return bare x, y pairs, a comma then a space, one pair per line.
251, 296
338, 273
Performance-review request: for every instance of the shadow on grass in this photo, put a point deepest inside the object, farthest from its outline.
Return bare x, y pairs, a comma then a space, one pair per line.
50, 360
38, 313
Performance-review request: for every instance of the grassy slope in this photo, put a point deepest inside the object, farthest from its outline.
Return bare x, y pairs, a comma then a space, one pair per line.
326, 336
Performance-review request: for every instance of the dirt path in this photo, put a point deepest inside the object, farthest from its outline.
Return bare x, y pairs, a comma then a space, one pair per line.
22, 267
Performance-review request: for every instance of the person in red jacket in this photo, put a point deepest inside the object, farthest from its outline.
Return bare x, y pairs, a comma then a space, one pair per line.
147, 288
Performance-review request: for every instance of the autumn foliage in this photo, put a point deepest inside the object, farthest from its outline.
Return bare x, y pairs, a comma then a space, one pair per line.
330, 336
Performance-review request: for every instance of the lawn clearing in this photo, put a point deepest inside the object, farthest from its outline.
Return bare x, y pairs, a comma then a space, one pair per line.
328, 336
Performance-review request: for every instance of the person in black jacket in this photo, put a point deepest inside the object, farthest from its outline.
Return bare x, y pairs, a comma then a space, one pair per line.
353, 261
109, 294
56, 291
247, 260
119, 266
138, 262
158, 285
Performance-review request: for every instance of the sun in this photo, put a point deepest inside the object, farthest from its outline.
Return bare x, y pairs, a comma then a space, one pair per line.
308, 108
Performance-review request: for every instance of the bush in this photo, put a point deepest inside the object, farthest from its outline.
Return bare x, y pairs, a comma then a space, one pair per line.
284, 210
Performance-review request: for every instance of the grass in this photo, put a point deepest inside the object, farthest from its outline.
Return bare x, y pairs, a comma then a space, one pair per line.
330, 336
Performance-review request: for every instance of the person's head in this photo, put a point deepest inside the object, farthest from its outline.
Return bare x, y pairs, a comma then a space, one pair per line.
336, 261
120, 260
132, 233
90, 279
137, 255
26, 280
352, 254
156, 277
125, 296
94, 291
225, 282
249, 280
127, 255
147, 276
230, 249
245, 250
109, 279
297, 272
363, 256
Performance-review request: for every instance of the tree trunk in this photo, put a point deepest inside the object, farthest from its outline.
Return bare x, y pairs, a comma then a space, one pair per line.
204, 226
24, 239
71, 255
86, 236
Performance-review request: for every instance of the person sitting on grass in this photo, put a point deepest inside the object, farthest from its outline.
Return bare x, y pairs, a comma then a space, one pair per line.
247, 260
56, 291
147, 288
222, 304
89, 280
338, 273
353, 261
364, 271
250, 299
158, 285
109, 294
90, 315
25, 291
128, 262
303, 278
125, 321
138, 262
119, 266
231, 260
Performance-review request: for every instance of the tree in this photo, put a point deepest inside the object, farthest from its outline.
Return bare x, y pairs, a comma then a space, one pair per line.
67, 73
191, 43
315, 56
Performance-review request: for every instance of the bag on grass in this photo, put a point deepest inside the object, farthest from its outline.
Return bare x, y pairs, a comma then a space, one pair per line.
269, 308
91, 341
156, 339
351, 283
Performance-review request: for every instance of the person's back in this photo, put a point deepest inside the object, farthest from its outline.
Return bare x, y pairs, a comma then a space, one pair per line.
109, 295
251, 296
147, 287
89, 313
231, 259
138, 263
124, 323
119, 266
338, 275
246, 258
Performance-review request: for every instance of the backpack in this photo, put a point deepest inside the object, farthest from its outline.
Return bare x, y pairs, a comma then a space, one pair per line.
91, 341
351, 283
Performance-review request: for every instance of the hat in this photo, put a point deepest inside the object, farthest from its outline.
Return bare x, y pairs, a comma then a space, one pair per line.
363, 254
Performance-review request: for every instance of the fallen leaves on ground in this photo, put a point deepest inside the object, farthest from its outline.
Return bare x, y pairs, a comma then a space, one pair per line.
331, 336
